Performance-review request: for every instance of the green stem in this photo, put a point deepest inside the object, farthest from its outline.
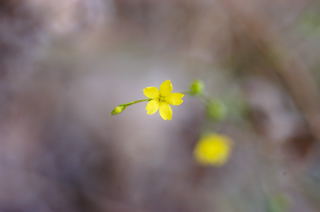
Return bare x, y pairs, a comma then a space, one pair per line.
135, 102
203, 97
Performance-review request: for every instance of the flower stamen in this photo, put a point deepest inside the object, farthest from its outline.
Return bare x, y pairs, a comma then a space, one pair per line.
162, 98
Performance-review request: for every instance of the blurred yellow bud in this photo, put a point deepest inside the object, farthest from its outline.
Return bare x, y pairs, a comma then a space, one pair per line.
213, 149
118, 109
196, 88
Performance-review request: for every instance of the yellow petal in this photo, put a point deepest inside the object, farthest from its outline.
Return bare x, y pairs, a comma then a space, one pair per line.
175, 98
166, 88
152, 107
151, 92
165, 111
213, 150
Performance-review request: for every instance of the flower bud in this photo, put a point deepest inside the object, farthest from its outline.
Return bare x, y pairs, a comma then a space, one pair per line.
118, 109
216, 110
196, 88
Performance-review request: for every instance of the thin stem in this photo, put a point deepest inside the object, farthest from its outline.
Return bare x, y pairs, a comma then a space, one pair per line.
135, 102
203, 97
185, 92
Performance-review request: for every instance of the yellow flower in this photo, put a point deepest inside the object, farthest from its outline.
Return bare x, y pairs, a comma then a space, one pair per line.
161, 99
213, 149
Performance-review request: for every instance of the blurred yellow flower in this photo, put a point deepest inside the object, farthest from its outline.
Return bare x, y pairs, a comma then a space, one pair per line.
213, 149
161, 99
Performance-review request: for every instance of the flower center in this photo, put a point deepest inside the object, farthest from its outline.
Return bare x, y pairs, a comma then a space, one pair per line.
162, 98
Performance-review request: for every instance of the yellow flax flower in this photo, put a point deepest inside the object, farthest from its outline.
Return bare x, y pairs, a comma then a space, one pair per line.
213, 149
161, 99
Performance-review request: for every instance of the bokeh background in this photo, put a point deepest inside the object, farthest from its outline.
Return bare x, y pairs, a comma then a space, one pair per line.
65, 64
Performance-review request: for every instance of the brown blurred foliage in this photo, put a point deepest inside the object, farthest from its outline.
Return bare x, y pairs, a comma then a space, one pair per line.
65, 64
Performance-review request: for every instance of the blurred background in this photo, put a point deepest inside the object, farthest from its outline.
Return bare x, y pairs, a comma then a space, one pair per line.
65, 64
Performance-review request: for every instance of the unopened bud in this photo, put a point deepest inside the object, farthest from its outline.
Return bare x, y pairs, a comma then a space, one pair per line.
216, 110
196, 88
118, 109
